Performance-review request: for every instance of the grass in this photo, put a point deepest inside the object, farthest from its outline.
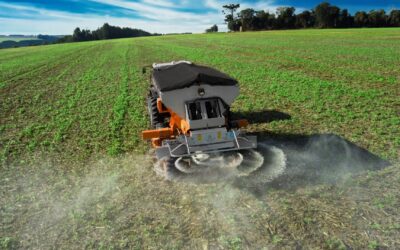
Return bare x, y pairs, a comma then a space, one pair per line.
336, 81
75, 171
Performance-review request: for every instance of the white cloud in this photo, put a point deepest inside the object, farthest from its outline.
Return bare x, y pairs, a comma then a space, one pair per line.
161, 16
61, 27
157, 13
163, 3
48, 14
267, 6
162, 20
259, 5
214, 4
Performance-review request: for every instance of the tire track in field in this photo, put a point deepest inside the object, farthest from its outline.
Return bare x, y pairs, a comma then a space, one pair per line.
136, 115
39, 87
33, 58
98, 117
120, 108
129, 115
73, 94
51, 77
307, 59
302, 60
39, 70
52, 131
40, 105
13, 53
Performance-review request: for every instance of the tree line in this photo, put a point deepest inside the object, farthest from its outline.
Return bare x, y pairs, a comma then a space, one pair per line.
213, 28
26, 40
105, 32
324, 15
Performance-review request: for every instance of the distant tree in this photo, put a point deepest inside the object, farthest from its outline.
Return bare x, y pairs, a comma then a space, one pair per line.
65, 39
304, 20
77, 35
334, 15
48, 38
229, 11
361, 19
322, 15
345, 19
394, 18
212, 29
326, 15
248, 20
264, 20
86, 35
286, 18
260, 20
105, 32
377, 18
234, 25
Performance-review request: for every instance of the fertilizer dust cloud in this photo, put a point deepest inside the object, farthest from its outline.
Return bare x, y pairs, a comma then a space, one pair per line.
313, 160
285, 163
112, 201
226, 166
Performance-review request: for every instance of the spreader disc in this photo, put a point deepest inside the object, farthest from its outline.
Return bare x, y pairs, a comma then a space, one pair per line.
253, 160
273, 166
208, 162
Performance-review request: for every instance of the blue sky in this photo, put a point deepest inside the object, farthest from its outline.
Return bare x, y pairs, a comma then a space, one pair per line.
162, 16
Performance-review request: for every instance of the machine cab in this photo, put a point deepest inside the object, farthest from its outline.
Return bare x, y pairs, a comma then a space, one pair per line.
205, 113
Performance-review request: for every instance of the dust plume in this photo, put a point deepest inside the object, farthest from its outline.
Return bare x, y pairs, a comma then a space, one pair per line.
120, 202
267, 163
282, 163
318, 159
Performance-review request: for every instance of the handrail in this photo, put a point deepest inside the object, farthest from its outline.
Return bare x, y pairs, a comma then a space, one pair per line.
236, 140
187, 144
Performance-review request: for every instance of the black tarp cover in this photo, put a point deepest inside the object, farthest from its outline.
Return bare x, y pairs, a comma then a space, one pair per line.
184, 75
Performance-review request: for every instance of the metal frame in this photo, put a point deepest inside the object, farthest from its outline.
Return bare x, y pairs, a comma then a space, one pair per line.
239, 143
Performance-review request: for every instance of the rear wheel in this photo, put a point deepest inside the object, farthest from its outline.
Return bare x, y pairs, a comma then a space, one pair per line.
156, 120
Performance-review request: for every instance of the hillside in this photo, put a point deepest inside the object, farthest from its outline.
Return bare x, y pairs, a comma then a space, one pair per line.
14, 41
75, 170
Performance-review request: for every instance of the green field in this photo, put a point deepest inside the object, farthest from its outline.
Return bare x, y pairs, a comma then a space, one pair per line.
75, 171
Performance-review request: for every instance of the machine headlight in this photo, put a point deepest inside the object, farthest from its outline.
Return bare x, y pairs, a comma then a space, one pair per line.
201, 92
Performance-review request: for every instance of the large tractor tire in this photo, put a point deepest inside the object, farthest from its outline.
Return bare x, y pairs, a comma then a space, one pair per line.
155, 117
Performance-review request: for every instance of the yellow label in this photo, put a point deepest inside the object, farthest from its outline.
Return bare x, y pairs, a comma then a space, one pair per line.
199, 137
219, 135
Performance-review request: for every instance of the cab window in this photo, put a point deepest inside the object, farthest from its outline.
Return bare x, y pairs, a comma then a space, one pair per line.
195, 111
212, 108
